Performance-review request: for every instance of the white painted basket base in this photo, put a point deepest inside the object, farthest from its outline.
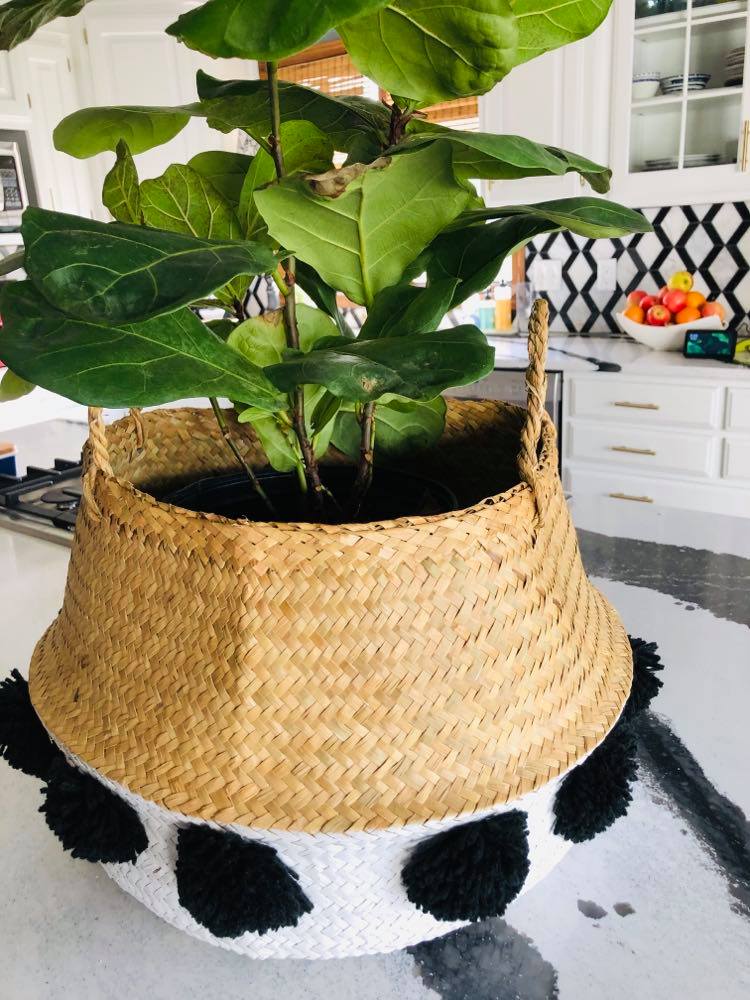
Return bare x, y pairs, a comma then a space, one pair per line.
352, 879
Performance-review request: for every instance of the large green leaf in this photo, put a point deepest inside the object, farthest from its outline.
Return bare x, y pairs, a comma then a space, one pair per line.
183, 201
19, 19
402, 427
418, 367
224, 171
262, 340
549, 24
304, 147
263, 29
504, 157
141, 364
595, 218
116, 273
97, 130
13, 387
121, 192
322, 295
405, 309
431, 52
245, 104
361, 241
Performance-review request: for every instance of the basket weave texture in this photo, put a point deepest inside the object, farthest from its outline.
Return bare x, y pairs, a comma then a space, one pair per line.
331, 678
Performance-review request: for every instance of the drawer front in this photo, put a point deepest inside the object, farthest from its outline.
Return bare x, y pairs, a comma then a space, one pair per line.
649, 403
737, 460
642, 448
646, 491
738, 409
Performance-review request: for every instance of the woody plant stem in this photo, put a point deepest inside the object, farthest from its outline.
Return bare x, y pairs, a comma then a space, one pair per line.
316, 490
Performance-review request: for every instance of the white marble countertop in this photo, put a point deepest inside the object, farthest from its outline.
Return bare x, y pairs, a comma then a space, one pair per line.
659, 906
635, 359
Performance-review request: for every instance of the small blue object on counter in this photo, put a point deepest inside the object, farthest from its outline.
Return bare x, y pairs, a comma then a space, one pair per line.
7, 459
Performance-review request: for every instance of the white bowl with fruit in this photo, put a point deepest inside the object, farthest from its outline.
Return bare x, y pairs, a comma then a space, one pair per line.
661, 321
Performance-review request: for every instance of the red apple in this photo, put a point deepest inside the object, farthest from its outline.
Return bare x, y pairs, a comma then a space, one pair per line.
634, 299
658, 316
675, 300
647, 301
662, 292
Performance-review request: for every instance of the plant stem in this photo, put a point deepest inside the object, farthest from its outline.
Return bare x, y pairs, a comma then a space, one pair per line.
366, 456
226, 433
316, 490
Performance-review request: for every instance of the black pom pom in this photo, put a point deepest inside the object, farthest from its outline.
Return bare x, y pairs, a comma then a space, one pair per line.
646, 685
597, 792
90, 820
231, 885
24, 742
472, 871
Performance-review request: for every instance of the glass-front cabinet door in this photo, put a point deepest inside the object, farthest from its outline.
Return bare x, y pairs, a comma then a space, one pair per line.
680, 116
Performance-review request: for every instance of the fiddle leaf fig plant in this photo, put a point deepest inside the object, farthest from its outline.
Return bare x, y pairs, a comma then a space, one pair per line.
347, 201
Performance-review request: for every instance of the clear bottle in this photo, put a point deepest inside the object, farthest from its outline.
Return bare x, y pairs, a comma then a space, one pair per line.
486, 318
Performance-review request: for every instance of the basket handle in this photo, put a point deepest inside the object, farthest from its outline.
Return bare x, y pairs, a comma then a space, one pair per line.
99, 451
536, 393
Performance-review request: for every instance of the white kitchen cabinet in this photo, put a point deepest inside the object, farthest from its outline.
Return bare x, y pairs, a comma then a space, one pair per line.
681, 146
13, 102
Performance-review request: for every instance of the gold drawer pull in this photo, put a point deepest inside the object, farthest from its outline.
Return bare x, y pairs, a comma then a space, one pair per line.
637, 406
632, 451
628, 496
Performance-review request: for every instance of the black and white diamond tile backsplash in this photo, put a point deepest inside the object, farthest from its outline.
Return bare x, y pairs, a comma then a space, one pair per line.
710, 241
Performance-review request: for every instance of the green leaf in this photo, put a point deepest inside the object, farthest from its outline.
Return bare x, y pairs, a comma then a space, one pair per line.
262, 340
224, 171
432, 52
405, 309
276, 436
245, 104
361, 241
143, 364
262, 29
322, 295
418, 367
121, 193
503, 157
20, 19
549, 24
595, 218
12, 387
304, 147
183, 201
115, 273
402, 427
97, 130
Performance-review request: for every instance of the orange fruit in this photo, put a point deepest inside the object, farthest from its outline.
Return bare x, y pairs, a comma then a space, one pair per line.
687, 315
713, 309
696, 300
635, 313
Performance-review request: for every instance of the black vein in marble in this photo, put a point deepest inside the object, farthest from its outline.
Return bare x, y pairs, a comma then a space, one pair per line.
716, 581
486, 961
719, 824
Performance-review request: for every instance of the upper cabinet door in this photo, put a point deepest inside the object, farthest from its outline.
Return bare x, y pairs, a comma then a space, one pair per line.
680, 102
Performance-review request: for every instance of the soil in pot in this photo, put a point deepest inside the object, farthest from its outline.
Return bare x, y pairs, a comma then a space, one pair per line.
392, 494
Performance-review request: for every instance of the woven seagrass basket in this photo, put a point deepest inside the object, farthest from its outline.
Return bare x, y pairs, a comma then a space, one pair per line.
339, 694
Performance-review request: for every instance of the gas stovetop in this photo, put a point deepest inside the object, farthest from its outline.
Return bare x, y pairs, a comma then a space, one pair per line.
44, 502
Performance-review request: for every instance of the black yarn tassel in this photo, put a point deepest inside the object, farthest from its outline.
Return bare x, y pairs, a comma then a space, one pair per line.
90, 821
231, 885
24, 742
646, 685
597, 792
472, 871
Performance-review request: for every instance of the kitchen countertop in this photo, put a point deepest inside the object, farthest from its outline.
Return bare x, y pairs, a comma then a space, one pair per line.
658, 906
635, 359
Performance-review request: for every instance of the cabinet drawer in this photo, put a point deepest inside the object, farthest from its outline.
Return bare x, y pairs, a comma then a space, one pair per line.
738, 409
737, 460
653, 403
643, 490
641, 448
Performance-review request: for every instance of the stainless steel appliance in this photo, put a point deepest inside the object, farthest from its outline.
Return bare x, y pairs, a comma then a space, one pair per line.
17, 189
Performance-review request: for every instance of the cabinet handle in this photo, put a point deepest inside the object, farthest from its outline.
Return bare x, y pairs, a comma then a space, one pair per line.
745, 145
628, 496
632, 451
636, 406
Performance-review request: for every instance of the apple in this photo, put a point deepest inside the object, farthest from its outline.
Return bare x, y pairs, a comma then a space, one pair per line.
646, 302
658, 316
634, 299
681, 281
713, 309
675, 300
662, 292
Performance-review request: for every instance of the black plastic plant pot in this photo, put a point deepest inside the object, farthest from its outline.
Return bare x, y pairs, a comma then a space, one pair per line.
392, 494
